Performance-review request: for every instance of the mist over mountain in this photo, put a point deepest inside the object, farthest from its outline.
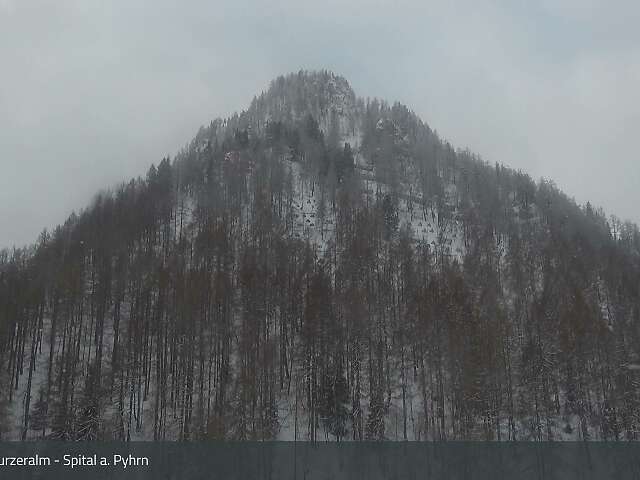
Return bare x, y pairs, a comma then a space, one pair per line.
322, 266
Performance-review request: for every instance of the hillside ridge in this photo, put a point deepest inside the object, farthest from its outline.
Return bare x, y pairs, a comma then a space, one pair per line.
322, 266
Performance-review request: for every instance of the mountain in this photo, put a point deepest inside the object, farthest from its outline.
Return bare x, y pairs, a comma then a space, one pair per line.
322, 266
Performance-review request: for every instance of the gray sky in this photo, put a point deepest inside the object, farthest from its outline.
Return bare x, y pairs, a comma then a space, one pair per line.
93, 92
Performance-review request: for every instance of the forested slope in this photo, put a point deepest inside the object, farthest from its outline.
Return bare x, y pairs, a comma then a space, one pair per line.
324, 267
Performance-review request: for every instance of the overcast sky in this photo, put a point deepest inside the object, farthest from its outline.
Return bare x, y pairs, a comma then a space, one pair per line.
92, 91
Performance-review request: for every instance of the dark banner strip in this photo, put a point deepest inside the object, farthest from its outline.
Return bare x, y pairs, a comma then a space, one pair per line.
289, 460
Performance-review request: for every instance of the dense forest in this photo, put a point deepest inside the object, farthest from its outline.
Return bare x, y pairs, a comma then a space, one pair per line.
324, 267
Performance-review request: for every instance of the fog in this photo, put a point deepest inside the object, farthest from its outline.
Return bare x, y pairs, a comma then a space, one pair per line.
93, 92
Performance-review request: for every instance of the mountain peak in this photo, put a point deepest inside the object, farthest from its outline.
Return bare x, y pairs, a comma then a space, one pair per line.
266, 247
292, 97
322, 86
